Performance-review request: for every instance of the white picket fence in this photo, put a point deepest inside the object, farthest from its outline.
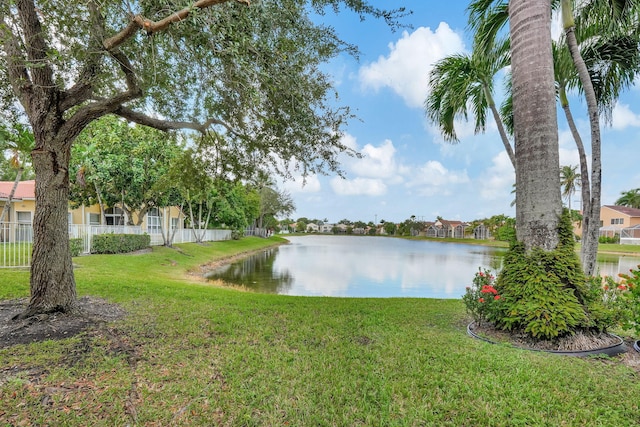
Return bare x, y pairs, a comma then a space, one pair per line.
16, 239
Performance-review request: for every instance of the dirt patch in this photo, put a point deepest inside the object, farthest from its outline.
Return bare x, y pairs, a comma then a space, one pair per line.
92, 311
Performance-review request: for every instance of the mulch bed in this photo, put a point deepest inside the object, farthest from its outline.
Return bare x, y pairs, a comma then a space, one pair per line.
578, 342
92, 311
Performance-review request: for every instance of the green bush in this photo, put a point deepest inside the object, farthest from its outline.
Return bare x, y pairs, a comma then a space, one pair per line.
506, 233
481, 299
545, 293
119, 243
606, 239
630, 293
75, 246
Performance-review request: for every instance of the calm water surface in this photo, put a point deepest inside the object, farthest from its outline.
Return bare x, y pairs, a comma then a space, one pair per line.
367, 266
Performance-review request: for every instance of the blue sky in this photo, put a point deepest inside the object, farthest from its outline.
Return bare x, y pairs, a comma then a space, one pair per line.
407, 168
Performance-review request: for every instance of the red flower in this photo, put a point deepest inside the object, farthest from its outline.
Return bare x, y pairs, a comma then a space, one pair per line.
481, 299
622, 287
497, 297
606, 287
488, 289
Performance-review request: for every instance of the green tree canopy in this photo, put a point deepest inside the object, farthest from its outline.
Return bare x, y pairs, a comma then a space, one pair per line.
251, 72
117, 164
630, 198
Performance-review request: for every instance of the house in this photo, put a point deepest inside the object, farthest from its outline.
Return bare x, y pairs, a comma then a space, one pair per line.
23, 203
23, 206
614, 219
326, 228
481, 232
444, 228
453, 229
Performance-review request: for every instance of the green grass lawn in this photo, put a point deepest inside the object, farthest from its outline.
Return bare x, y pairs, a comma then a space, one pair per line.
191, 354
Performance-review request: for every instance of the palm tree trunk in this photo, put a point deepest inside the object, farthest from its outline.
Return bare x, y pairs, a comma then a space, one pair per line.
501, 131
7, 204
592, 216
538, 201
585, 188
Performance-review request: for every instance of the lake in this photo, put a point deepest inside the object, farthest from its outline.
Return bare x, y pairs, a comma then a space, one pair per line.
369, 266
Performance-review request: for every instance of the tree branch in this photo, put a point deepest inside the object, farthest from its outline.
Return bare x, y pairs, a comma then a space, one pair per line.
167, 125
36, 47
83, 89
18, 75
140, 22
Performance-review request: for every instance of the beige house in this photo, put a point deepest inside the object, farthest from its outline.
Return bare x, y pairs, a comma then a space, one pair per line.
23, 203
23, 206
445, 228
613, 219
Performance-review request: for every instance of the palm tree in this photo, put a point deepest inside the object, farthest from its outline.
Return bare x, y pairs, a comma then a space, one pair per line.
460, 81
630, 198
19, 143
538, 201
607, 62
570, 182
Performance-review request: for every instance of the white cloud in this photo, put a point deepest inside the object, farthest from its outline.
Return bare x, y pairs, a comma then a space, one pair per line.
300, 185
623, 117
497, 181
378, 162
358, 186
557, 28
568, 151
406, 69
433, 178
349, 140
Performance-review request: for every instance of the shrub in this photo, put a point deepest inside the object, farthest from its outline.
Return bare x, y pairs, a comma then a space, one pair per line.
605, 239
630, 287
506, 233
119, 243
546, 295
481, 299
539, 296
75, 245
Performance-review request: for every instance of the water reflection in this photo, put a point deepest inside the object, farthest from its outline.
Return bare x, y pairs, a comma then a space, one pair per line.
256, 272
356, 266
612, 265
365, 266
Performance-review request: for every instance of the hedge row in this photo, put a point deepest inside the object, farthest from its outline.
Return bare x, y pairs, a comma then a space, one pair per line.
119, 243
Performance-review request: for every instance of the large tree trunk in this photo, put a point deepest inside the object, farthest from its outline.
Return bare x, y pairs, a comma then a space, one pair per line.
538, 200
53, 286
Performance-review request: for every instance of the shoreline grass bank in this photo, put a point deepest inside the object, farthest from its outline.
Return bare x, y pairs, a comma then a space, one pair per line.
190, 354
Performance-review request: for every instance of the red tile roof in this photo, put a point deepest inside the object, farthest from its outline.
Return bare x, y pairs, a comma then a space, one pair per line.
632, 212
25, 190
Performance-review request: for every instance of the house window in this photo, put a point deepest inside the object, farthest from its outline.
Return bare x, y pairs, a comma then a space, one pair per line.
24, 232
94, 219
175, 223
154, 220
24, 217
114, 216
615, 221
70, 218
